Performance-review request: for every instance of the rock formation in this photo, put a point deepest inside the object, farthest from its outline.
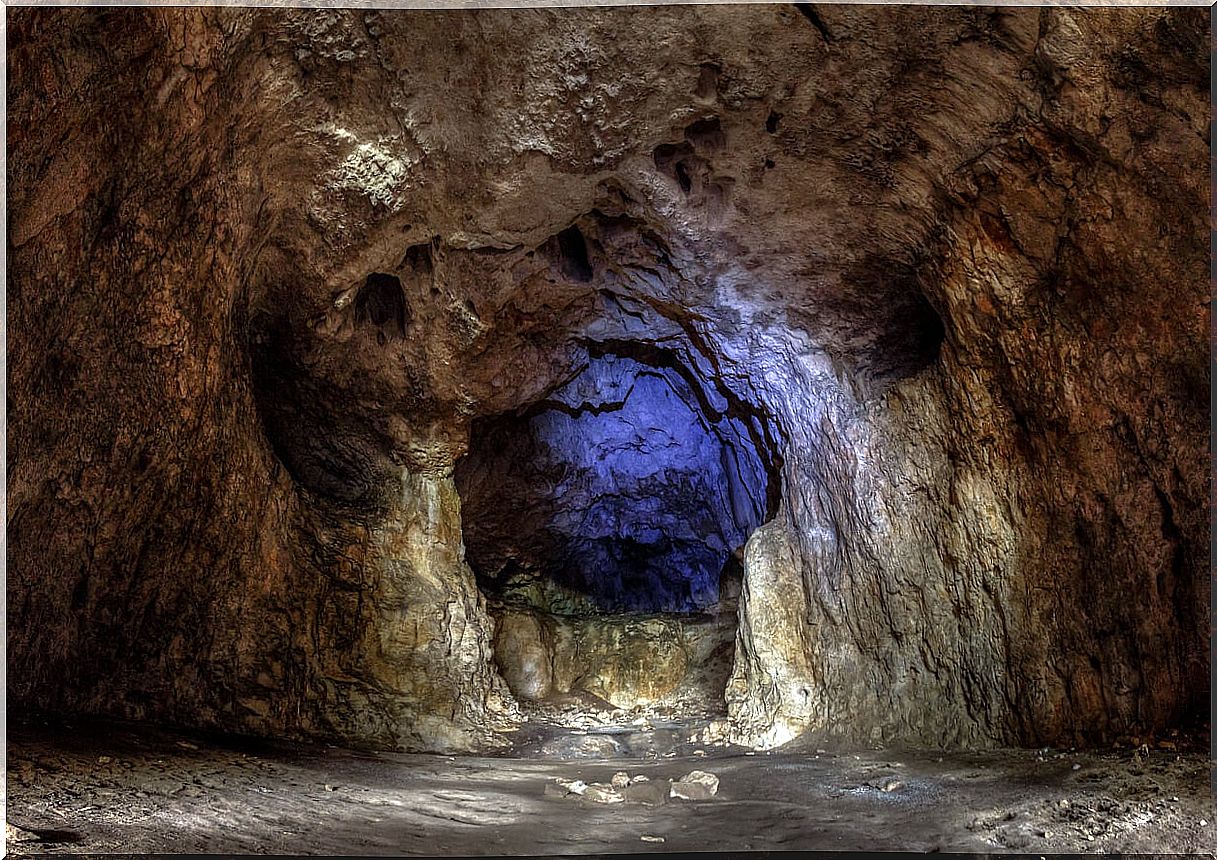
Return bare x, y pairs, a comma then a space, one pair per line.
906, 307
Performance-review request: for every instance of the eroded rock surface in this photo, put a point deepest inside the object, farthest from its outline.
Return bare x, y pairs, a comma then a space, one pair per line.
630, 489
946, 266
625, 661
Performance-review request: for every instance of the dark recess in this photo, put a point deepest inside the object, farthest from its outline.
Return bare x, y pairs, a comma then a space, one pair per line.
573, 248
382, 303
331, 455
706, 134
809, 12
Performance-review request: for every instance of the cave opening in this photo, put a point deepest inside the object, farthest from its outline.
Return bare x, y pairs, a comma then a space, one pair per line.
605, 524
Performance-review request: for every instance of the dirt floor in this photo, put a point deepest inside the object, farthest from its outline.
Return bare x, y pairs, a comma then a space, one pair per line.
107, 788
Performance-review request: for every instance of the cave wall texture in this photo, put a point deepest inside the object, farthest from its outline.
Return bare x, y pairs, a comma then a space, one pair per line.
946, 266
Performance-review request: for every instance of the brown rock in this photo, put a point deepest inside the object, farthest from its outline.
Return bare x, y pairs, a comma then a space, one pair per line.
936, 291
695, 785
600, 793
650, 793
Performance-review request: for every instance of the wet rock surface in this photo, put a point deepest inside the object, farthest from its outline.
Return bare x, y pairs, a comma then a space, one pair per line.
572, 730
161, 792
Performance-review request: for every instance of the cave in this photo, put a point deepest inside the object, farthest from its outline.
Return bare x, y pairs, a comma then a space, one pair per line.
602, 429
609, 518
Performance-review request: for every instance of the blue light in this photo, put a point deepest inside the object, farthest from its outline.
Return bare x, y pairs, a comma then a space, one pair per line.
655, 494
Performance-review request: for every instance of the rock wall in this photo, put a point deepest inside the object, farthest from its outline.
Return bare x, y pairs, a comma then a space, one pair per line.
266, 268
626, 660
617, 493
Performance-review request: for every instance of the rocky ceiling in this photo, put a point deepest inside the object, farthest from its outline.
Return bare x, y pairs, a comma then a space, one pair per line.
921, 292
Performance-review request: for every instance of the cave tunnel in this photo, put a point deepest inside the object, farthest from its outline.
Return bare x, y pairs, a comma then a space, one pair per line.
629, 490
583, 430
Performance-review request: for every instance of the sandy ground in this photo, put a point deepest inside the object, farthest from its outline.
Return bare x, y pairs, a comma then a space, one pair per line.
121, 788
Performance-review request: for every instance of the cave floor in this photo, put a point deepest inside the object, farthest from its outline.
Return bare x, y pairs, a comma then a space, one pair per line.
106, 788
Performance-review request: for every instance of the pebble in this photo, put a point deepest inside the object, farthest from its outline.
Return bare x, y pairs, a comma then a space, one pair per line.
620, 779
695, 785
1077, 766
599, 793
574, 786
104, 759
650, 793
646, 838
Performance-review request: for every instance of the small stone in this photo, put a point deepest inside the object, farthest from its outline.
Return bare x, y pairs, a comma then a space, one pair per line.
642, 777
646, 838
598, 792
699, 752
1077, 766
1203, 823
329, 787
104, 759
620, 779
650, 793
695, 785
574, 786
890, 783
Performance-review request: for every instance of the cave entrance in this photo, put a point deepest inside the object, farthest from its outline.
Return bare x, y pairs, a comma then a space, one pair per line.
605, 525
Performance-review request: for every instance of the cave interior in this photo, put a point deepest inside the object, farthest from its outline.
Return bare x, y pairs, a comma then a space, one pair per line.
573, 384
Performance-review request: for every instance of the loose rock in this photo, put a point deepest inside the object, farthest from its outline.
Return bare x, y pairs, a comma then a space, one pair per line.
695, 785
574, 786
650, 793
598, 792
888, 783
